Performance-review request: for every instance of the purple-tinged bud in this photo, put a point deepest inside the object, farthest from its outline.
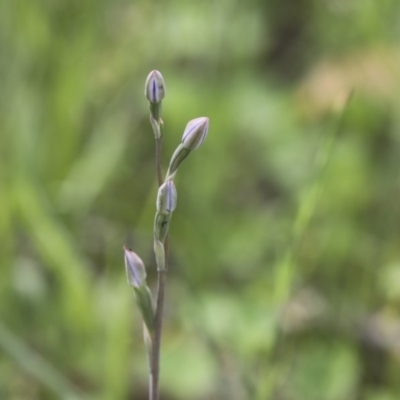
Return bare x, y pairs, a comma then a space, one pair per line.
195, 132
154, 87
135, 269
167, 198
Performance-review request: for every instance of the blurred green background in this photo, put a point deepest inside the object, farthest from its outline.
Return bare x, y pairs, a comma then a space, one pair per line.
285, 246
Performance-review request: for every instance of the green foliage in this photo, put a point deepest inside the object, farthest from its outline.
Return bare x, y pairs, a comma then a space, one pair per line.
285, 259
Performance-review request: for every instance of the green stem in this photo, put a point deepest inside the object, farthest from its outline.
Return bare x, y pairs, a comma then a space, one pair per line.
161, 281
158, 161
155, 354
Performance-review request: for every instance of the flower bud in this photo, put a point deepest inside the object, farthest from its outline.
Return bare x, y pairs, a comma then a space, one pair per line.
155, 87
195, 132
166, 198
135, 269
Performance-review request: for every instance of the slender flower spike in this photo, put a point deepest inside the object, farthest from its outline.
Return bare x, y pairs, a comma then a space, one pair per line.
135, 269
154, 87
195, 132
166, 198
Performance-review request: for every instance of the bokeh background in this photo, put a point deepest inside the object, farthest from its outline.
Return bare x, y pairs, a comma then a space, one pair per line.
285, 246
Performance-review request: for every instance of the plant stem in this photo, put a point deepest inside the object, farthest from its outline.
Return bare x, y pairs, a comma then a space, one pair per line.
161, 280
155, 354
158, 161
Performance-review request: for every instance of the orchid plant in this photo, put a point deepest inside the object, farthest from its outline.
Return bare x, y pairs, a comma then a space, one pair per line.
152, 312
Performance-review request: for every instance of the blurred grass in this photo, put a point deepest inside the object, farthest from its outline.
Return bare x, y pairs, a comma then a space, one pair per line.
285, 263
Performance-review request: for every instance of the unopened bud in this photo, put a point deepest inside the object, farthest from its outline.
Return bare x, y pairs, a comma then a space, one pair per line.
135, 269
166, 198
195, 132
155, 87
